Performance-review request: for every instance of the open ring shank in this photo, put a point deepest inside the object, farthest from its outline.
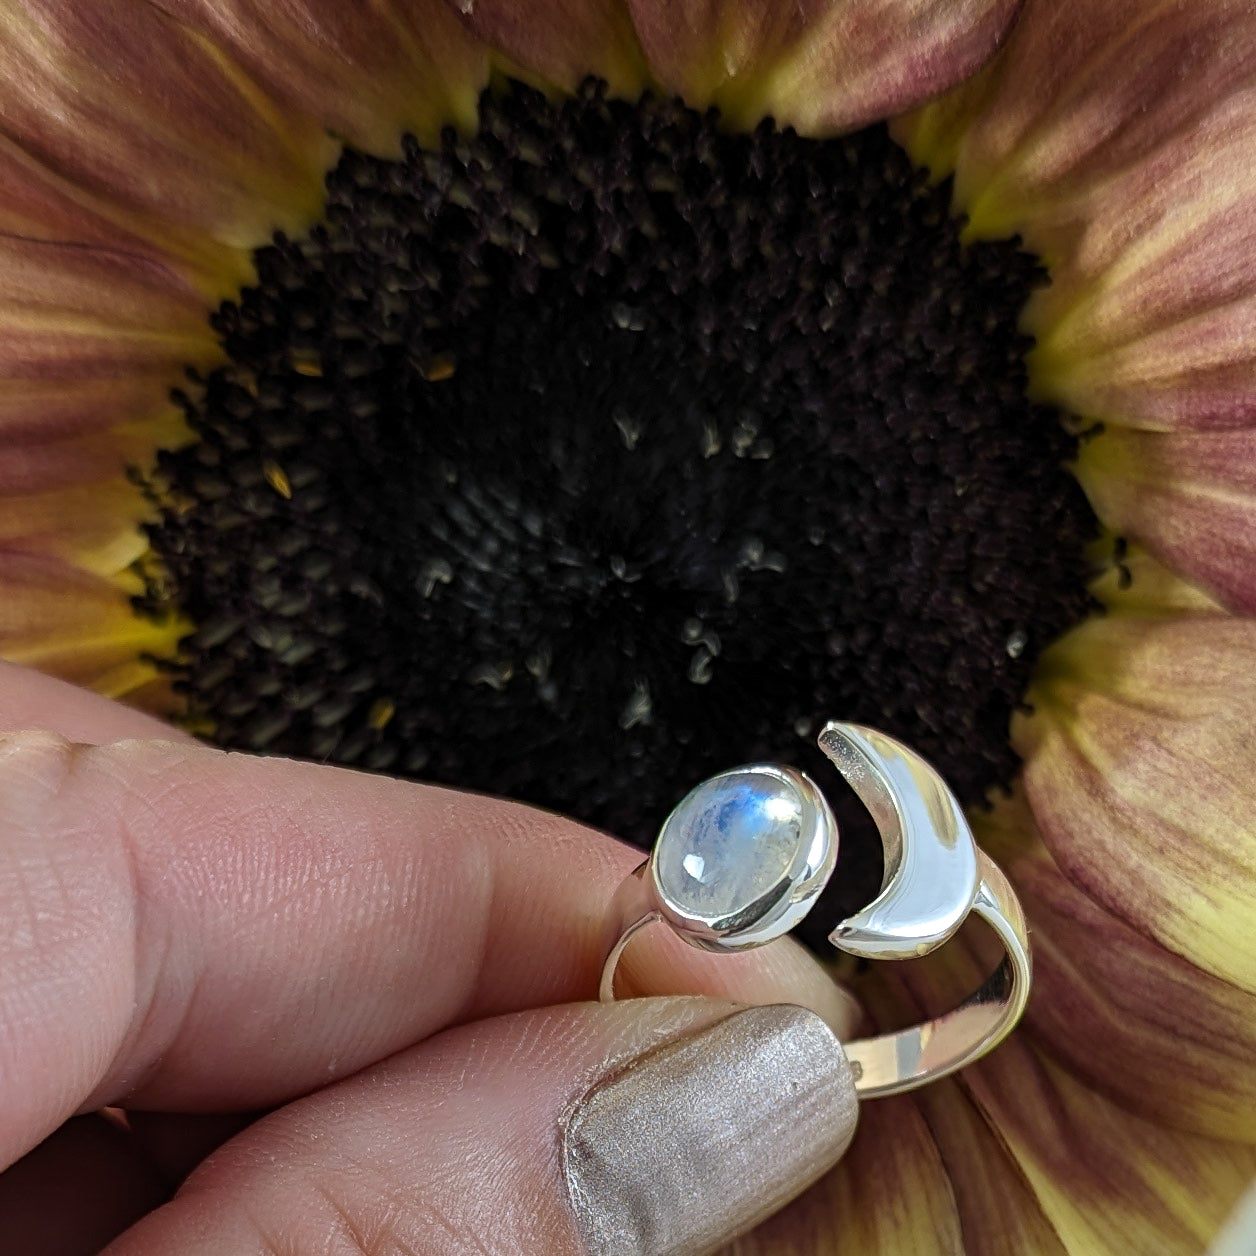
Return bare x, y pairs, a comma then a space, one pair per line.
629, 913
891, 1063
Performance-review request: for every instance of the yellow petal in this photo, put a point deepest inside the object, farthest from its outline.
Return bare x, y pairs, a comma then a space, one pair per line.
368, 72
1130, 581
1129, 1017
818, 65
1190, 497
91, 340
147, 150
889, 1194
95, 525
1139, 767
99, 640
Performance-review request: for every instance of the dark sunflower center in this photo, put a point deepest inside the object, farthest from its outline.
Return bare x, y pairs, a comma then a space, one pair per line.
605, 450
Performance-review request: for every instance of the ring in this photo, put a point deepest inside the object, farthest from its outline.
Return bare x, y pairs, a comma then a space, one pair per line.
743, 858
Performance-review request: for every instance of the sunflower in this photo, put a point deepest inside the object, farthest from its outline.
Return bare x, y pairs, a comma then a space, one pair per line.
646, 383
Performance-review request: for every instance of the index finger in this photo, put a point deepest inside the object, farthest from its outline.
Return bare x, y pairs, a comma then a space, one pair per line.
186, 928
31, 699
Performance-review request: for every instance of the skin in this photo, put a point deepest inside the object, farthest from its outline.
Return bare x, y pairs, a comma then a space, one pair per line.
342, 1013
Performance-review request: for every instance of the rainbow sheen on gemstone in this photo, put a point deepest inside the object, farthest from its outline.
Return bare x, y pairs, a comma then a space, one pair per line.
730, 842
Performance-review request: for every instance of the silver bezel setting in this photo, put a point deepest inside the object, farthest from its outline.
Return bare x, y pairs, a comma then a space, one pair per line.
779, 908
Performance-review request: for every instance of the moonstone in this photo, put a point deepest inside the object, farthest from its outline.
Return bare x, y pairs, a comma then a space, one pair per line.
729, 842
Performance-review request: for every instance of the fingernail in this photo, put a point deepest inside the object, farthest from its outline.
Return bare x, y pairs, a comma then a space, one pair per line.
698, 1141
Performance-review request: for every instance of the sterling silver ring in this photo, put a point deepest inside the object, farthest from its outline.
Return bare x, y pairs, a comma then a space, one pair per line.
743, 858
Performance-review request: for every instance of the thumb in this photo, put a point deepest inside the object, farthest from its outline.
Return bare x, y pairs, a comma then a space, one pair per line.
651, 1126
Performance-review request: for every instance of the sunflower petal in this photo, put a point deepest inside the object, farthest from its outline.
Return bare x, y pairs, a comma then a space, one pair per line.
1150, 316
1138, 767
1116, 137
1103, 1178
889, 1194
99, 640
90, 337
818, 65
1190, 497
96, 525
561, 42
1082, 92
1132, 1019
71, 555
30, 468
1130, 581
38, 204
997, 1209
71, 497
139, 110
367, 72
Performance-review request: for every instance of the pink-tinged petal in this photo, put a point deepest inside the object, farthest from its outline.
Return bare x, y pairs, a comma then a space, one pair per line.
73, 556
1082, 92
1116, 137
1140, 769
1106, 1180
1150, 319
71, 496
37, 204
1190, 497
98, 641
146, 114
29, 468
1134, 1020
368, 72
95, 525
997, 1209
561, 42
1130, 581
91, 337
889, 1194
819, 65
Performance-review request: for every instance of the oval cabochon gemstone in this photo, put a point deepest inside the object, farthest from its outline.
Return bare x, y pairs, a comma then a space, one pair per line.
729, 842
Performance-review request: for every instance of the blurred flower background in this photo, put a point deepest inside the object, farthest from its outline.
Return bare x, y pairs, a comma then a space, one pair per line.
572, 400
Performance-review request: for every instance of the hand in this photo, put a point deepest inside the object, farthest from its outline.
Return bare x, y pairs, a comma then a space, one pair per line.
347, 1014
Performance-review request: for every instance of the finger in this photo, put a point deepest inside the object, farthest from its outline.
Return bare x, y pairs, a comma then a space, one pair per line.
660, 1125
181, 928
29, 699
657, 961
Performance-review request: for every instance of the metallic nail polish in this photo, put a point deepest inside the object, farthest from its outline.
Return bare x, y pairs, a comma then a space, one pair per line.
698, 1141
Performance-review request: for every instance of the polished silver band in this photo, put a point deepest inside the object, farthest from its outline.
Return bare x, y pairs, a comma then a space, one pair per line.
934, 877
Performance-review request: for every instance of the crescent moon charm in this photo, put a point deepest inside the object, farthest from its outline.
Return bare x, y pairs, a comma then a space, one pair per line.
931, 877
744, 855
